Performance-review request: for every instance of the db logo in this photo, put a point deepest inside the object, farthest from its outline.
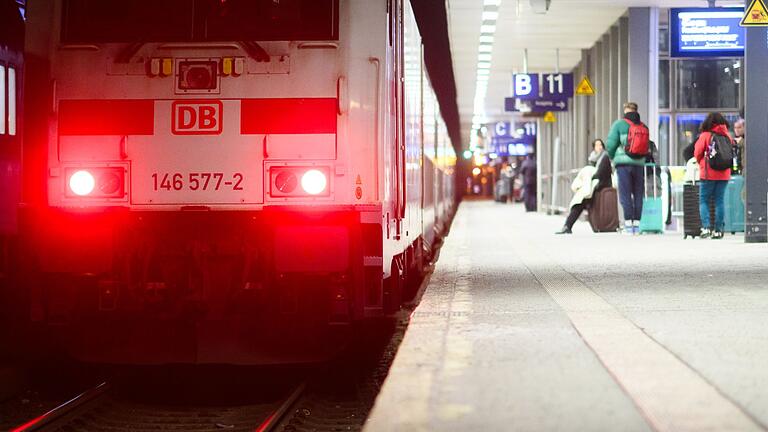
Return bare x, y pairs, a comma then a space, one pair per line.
196, 117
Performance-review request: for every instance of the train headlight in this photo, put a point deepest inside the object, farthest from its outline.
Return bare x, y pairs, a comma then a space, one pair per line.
96, 182
314, 182
198, 75
298, 181
82, 183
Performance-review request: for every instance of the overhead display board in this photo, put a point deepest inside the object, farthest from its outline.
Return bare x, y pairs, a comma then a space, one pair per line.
707, 32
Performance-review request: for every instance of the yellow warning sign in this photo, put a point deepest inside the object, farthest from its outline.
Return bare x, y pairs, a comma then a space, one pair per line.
756, 15
549, 117
585, 87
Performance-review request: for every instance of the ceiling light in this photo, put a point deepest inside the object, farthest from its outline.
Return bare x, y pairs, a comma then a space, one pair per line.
486, 38
491, 2
483, 65
484, 57
488, 28
490, 15
485, 48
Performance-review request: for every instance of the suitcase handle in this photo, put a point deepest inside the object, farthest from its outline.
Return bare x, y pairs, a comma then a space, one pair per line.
645, 179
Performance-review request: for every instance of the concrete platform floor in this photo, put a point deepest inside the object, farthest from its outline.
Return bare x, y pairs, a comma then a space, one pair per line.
522, 330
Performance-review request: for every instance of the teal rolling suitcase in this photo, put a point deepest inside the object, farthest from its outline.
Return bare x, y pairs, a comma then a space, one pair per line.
734, 205
652, 218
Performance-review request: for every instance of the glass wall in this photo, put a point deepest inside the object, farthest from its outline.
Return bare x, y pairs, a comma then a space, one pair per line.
664, 84
708, 84
663, 143
689, 89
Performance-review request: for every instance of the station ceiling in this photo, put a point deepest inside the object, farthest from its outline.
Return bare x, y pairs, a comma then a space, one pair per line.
569, 25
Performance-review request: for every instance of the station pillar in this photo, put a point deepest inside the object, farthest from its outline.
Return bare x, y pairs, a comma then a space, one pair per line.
644, 65
756, 135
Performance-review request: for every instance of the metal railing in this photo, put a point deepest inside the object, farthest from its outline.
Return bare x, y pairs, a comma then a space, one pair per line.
556, 191
556, 194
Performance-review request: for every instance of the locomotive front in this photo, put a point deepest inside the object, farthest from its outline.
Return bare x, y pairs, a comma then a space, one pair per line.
196, 196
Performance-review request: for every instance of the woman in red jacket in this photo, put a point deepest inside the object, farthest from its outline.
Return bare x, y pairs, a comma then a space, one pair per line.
713, 181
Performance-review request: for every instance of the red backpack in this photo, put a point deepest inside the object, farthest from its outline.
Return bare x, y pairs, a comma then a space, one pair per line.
638, 140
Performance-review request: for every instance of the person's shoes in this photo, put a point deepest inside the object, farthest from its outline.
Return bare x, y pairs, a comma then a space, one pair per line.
628, 228
717, 235
564, 230
705, 233
635, 227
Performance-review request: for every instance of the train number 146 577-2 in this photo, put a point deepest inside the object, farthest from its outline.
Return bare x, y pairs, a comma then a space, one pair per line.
199, 181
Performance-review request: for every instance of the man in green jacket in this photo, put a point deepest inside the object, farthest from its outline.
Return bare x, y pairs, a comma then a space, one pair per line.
629, 170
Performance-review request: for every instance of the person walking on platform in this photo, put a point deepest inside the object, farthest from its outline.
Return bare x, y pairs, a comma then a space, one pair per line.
528, 171
714, 152
628, 145
590, 180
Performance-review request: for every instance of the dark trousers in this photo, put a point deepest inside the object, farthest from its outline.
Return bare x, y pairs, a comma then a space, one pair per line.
576, 211
631, 188
530, 197
707, 190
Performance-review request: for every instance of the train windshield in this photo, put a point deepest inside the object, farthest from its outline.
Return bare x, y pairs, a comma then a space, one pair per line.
99, 21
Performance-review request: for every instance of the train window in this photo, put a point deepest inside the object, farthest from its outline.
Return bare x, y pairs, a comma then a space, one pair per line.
99, 21
11, 101
2, 100
260, 20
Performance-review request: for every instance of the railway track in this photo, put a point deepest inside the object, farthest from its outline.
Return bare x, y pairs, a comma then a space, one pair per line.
102, 409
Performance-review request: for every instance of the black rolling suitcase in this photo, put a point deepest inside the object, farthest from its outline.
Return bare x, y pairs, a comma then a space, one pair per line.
691, 217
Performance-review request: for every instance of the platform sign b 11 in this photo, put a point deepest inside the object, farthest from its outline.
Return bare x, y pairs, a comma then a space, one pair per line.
526, 86
558, 85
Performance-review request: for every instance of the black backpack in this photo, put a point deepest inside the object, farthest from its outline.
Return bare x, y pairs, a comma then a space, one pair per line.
720, 152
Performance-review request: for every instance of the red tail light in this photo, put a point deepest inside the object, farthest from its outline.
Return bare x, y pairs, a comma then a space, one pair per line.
285, 181
97, 182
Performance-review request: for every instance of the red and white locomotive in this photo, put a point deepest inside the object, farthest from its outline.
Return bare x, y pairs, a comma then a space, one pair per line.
212, 181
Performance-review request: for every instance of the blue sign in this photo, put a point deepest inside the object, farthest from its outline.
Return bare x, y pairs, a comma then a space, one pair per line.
703, 32
508, 146
535, 106
558, 86
526, 86
503, 129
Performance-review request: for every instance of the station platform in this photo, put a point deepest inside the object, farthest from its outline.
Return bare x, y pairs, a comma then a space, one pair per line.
523, 330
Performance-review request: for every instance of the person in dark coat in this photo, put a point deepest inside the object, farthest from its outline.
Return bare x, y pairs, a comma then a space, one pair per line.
528, 172
601, 179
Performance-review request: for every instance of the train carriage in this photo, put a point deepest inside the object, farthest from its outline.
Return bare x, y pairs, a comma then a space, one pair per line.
11, 84
225, 181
